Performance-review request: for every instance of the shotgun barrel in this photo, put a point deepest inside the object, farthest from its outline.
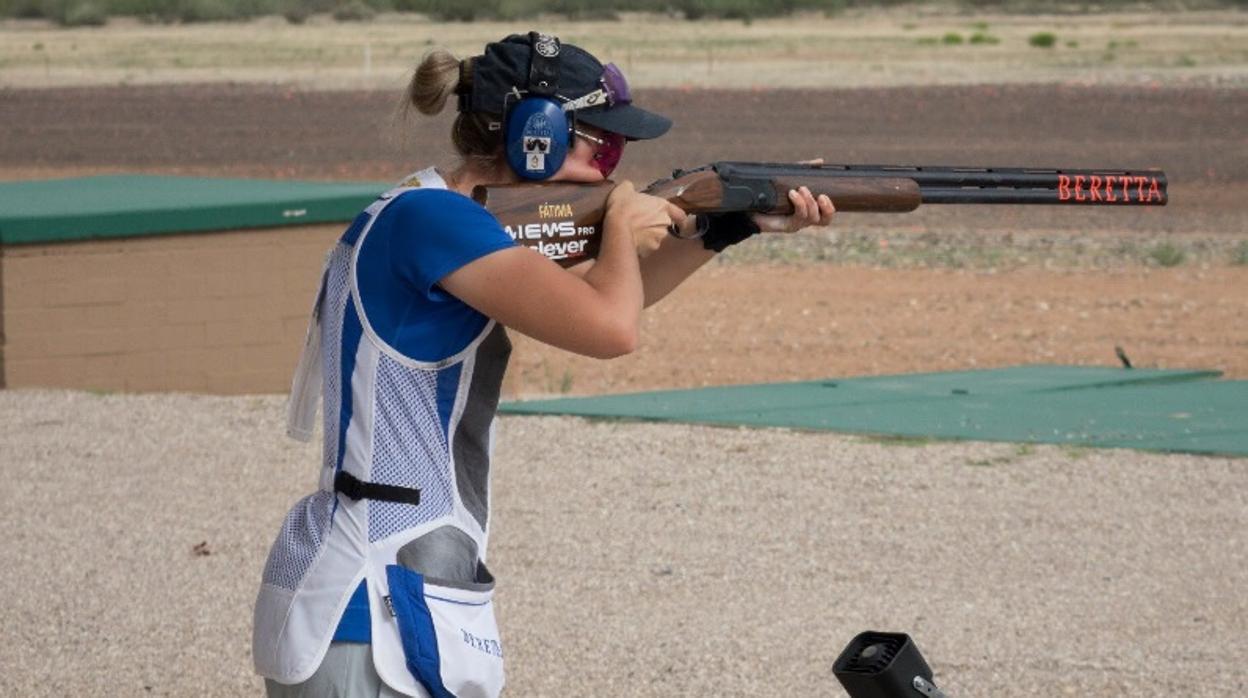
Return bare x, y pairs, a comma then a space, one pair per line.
971, 185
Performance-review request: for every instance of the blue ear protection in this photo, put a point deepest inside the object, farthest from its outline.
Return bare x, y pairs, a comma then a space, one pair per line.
536, 131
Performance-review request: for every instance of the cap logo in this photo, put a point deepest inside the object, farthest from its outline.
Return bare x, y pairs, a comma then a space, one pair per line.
547, 46
590, 100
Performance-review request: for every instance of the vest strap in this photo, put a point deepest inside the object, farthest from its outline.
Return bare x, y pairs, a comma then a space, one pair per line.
355, 488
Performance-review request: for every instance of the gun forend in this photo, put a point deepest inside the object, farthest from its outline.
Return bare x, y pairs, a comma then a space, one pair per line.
726, 186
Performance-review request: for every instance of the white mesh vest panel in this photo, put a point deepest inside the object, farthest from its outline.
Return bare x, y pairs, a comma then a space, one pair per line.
395, 436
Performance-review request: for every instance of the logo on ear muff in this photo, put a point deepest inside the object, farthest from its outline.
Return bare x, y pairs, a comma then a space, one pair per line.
536, 133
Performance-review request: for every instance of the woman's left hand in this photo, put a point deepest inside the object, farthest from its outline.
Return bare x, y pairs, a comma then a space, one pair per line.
807, 211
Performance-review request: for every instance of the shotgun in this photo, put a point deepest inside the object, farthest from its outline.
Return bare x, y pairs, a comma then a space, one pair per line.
563, 220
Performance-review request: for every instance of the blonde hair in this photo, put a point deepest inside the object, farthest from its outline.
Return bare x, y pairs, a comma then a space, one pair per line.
440, 75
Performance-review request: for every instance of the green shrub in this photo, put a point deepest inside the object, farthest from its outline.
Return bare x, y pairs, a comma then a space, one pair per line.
30, 9
354, 11
297, 13
313, 7
952, 38
455, 10
83, 14
583, 9
690, 9
208, 11
146, 10
744, 10
1042, 40
1167, 254
981, 38
1239, 256
189, 11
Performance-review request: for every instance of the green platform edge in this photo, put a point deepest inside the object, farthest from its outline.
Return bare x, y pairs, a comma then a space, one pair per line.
1183, 411
115, 206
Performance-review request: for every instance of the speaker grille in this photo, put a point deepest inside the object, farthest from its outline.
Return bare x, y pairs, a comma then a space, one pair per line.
873, 654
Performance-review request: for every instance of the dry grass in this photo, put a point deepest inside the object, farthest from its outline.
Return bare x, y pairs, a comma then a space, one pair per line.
866, 48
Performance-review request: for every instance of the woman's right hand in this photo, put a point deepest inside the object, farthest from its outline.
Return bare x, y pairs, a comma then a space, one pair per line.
646, 217
597, 314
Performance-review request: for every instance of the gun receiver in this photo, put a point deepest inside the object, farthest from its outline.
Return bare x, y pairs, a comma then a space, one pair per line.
564, 221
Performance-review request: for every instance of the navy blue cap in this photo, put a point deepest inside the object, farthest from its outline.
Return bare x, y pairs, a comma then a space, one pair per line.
529, 63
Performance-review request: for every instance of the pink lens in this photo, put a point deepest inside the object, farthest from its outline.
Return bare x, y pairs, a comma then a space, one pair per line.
609, 152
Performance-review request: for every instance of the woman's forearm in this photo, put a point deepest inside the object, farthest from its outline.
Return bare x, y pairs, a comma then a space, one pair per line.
615, 275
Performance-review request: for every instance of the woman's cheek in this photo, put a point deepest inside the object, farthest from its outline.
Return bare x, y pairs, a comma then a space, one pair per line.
579, 170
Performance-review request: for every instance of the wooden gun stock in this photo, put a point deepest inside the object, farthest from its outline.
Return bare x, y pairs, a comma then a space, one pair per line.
564, 221
560, 220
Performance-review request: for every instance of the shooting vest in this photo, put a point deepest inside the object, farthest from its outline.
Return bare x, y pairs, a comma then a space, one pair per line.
392, 425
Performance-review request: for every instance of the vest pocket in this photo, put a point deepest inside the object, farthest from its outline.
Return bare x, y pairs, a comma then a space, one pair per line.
449, 634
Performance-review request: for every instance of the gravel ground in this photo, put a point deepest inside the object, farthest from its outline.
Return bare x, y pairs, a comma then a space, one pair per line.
658, 560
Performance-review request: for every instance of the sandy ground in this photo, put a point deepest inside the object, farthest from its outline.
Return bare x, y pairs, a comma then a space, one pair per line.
767, 323
641, 560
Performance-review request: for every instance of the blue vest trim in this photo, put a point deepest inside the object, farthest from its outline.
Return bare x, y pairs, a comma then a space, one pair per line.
448, 386
352, 331
356, 623
420, 641
353, 232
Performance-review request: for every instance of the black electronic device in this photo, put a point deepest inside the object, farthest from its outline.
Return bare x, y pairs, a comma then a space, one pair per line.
885, 665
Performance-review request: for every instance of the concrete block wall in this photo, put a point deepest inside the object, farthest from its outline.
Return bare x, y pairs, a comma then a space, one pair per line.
221, 312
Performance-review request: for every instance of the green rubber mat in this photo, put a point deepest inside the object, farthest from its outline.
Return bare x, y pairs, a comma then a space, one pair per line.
58, 210
1185, 411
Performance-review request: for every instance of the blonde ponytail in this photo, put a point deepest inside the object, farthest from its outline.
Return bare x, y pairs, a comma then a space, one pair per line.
436, 79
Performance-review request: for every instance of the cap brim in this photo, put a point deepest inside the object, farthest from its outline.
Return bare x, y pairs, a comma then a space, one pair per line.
634, 123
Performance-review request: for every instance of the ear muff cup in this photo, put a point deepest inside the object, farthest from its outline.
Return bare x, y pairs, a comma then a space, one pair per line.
537, 134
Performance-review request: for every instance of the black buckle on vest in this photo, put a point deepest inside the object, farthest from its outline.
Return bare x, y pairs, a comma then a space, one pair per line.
354, 488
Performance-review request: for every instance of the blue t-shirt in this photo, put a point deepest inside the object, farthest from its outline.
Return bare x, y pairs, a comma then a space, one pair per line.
419, 238
422, 236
